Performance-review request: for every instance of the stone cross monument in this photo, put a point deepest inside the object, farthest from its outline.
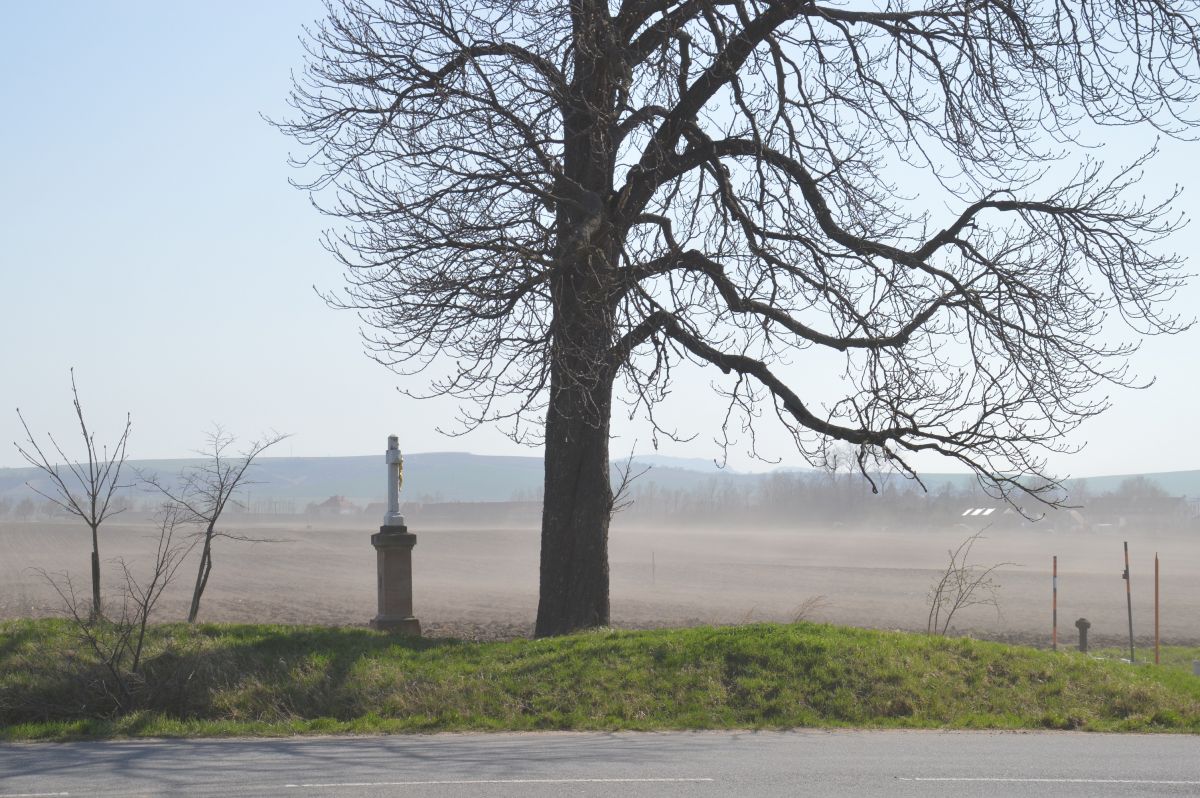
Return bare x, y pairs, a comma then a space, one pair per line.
393, 555
395, 464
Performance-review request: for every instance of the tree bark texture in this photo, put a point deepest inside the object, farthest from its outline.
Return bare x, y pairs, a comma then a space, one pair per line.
575, 515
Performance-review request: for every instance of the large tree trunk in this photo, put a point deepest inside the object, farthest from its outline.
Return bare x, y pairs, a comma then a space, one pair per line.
576, 511
577, 500
578, 494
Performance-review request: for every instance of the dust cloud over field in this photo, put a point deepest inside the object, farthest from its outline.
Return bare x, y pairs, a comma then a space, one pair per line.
482, 582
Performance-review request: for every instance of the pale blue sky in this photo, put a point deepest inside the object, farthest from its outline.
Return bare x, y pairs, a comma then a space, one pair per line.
150, 239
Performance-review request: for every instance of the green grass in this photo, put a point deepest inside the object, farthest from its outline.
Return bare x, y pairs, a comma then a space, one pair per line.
1176, 658
282, 680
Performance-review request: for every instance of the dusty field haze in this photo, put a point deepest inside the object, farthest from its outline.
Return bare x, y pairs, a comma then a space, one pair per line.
482, 582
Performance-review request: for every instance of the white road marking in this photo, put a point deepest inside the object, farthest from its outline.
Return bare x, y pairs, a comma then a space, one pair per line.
33, 794
492, 781
1047, 780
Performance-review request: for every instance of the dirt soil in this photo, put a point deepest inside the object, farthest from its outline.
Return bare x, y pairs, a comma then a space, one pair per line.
482, 583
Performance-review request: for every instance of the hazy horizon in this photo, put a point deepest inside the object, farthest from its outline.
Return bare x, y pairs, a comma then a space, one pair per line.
658, 460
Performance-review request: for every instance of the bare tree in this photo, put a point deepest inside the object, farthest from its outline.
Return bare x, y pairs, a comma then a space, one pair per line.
85, 488
962, 584
542, 198
205, 491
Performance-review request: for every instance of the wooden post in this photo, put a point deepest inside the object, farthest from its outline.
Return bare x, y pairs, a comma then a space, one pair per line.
1156, 658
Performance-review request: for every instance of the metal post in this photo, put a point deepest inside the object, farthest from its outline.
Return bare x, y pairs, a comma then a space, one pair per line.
1054, 604
1156, 659
1128, 601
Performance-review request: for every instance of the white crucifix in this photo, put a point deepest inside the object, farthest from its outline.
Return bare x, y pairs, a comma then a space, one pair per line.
395, 464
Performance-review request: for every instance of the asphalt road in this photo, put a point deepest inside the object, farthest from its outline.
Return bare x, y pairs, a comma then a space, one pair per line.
629, 765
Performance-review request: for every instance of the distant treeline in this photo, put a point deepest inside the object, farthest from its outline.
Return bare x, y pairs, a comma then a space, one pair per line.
828, 500
800, 499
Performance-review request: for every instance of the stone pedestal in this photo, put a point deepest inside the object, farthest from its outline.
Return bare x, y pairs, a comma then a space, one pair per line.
393, 553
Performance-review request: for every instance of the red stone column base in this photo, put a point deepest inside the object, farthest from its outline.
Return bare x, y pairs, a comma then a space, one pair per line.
393, 555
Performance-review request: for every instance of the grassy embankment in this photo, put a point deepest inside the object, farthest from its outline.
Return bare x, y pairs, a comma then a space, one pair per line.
276, 680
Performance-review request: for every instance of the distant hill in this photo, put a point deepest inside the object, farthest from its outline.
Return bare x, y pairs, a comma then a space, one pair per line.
440, 476
462, 477
1175, 483
428, 476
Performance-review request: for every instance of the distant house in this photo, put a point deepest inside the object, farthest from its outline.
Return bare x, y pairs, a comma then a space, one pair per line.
334, 505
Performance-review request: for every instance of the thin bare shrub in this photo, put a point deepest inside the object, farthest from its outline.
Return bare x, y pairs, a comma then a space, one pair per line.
962, 584
114, 644
807, 609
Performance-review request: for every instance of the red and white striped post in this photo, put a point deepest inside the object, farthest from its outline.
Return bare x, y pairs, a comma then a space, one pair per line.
1054, 604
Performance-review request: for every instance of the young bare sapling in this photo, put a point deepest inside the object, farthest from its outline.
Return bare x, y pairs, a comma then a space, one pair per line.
962, 584
117, 641
205, 491
83, 488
